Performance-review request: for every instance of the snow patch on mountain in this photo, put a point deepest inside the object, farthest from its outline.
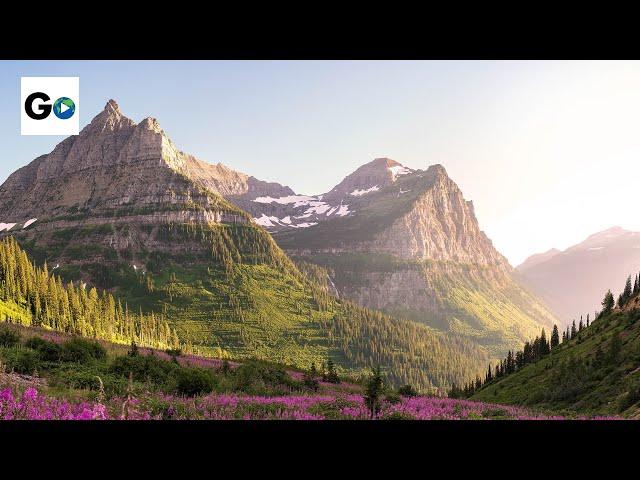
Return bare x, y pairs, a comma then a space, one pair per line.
266, 221
343, 210
297, 200
359, 193
305, 225
398, 170
29, 222
318, 208
6, 226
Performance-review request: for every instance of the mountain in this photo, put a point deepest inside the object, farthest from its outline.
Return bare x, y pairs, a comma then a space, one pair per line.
118, 165
596, 371
537, 259
573, 282
406, 242
120, 208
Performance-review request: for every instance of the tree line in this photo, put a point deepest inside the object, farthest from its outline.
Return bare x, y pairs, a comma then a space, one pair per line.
628, 291
73, 308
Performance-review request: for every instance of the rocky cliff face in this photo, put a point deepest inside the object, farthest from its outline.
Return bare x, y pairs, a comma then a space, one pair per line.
439, 225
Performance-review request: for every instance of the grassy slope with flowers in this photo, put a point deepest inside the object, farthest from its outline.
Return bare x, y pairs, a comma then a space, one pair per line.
248, 390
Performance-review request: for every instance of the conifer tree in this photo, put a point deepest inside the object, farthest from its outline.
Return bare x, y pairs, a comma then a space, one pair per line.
628, 290
555, 337
519, 360
373, 392
310, 379
607, 303
543, 345
489, 376
331, 374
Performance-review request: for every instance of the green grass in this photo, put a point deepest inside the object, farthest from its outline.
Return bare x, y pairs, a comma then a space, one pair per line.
79, 376
575, 377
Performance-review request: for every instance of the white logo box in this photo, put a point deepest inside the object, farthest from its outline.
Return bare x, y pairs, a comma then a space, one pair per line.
55, 87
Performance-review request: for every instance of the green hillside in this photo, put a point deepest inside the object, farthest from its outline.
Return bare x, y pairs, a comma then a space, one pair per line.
481, 304
229, 291
596, 371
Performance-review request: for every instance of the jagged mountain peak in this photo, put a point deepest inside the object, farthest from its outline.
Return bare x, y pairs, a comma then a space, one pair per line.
383, 166
112, 106
110, 119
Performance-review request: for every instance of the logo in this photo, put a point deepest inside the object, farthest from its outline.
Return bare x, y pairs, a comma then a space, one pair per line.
37, 105
64, 108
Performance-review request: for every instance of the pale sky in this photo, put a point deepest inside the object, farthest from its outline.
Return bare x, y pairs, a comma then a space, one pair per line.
547, 151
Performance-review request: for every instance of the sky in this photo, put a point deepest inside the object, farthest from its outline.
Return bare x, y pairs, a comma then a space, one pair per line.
547, 150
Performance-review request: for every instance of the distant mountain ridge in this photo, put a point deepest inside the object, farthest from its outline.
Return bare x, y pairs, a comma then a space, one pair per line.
574, 281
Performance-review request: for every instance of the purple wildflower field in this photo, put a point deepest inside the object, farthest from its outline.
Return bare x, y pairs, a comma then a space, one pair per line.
30, 404
24, 397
